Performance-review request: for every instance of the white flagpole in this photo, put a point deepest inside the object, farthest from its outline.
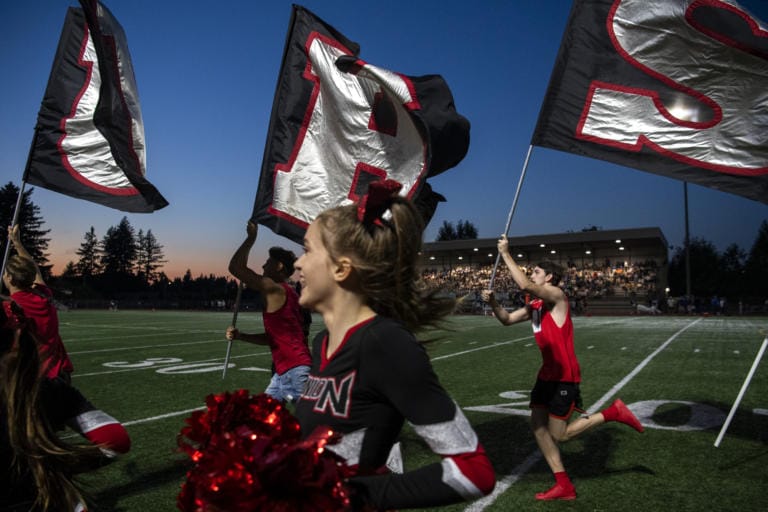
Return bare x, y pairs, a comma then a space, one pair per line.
741, 392
234, 323
511, 211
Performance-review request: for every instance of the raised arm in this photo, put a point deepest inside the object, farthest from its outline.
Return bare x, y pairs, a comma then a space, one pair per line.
550, 294
14, 235
238, 265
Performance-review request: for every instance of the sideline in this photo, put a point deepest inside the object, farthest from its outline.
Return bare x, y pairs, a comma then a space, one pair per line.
508, 480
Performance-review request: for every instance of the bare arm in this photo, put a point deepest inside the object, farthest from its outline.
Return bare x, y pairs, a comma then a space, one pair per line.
549, 294
238, 267
504, 316
257, 339
14, 235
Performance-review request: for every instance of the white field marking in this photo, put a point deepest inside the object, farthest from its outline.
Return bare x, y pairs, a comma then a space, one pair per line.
762, 412
69, 339
164, 327
162, 416
187, 411
156, 331
156, 367
120, 349
507, 481
492, 345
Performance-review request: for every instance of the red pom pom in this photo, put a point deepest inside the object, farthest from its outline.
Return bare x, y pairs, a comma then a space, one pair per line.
249, 456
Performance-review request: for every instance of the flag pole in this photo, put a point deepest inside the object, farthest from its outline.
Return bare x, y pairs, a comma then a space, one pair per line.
512, 211
741, 392
234, 323
19, 200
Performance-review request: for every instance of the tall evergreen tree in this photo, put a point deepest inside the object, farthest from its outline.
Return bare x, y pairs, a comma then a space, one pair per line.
119, 249
33, 236
465, 230
705, 268
149, 256
732, 278
90, 254
446, 232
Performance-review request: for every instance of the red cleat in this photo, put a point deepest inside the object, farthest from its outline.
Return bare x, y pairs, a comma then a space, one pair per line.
624, 415
557, 492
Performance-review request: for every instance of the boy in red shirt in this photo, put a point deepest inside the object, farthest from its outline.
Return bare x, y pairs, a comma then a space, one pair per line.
556, 393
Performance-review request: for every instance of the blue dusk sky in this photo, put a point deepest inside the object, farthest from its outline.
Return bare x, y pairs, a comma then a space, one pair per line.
206, 73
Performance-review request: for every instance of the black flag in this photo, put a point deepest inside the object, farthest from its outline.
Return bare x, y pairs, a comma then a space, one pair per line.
673, 87
89, 139
339, 123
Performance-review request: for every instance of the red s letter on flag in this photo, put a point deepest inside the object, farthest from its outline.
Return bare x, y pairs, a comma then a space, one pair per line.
342, 123
674, 87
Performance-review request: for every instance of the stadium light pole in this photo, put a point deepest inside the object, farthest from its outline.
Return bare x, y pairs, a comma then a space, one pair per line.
687, 245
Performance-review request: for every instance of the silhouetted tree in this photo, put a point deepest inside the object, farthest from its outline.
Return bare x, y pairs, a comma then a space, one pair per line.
149, 257
32, 234
464, 230
731, 277
119, 249
90, 255
705, 268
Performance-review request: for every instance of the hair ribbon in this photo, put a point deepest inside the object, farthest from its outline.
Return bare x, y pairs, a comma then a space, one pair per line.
377, 201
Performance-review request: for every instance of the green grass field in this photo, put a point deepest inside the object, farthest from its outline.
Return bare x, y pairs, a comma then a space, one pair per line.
679, 374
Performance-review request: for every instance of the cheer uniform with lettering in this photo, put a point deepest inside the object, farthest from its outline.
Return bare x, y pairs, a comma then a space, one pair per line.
376, 380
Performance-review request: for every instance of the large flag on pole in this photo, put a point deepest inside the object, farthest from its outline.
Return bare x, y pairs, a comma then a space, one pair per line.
673, 87
339, 123
89, 138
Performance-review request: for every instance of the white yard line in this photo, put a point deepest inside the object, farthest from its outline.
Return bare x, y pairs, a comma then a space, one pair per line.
508, 480
162, 416
187, 411
120, 349
492, 345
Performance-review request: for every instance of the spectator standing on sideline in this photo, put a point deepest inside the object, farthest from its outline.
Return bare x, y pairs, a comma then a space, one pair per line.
556, 393
369, 373
27, 288
283, 321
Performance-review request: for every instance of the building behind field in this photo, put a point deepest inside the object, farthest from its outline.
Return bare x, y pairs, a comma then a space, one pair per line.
606, 271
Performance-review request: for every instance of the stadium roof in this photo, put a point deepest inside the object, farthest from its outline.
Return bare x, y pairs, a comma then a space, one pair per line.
634, 244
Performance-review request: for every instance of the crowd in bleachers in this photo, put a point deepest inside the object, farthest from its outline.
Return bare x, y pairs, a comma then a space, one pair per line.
581, 284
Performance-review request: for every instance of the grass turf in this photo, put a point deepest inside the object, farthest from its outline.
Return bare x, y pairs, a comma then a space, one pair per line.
681, 375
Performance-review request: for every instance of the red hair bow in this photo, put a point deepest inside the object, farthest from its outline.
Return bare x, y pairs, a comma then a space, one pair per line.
378, 199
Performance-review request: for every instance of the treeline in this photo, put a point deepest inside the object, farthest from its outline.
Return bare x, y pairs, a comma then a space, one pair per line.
123, 267
732, 273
